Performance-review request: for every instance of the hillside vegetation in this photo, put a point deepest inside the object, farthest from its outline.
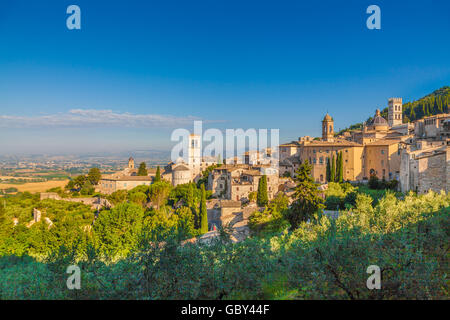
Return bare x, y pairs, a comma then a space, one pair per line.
436, 102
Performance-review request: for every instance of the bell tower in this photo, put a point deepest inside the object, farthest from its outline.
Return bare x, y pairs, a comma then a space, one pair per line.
327, 128
131, 163
395, 112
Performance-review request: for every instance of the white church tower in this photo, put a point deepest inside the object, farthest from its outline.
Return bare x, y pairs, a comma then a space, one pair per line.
195, 154
395, 112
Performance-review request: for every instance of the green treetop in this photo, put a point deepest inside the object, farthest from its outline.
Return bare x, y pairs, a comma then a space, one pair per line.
306, 194
158, 175
340, 169
142, 171
333, 169
262, 198
203, 212
94, 176
328, 170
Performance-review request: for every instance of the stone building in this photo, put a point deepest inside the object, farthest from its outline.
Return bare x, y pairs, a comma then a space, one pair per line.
372, 150
425, 167
125, 179
288, 150
435, 127
108, 185
181, 174
237, 181
382, 158
318, 151
290, 165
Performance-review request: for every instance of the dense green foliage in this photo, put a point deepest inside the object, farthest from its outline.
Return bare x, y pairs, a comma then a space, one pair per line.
138, 248
307, 200
157, 175
272, 219
340, 168
142, 171
94, 176
82, 184
262, 199
203, 212
333, 170
340, 196
321, 259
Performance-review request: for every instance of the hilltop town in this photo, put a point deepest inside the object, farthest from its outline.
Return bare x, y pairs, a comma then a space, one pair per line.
411, 156
416, 154
252, 219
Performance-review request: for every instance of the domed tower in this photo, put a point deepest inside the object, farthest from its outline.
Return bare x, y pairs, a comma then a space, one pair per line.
327, 128
378, 123
131, 163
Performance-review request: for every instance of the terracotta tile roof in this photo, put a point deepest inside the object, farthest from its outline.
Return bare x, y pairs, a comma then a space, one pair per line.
336, 142
384, 142
130, 178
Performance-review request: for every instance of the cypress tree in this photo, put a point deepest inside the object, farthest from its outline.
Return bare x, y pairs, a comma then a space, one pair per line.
203, 212
191, 205
158, 175
340, 174
328, 170
338, 167
333, 169
262, 198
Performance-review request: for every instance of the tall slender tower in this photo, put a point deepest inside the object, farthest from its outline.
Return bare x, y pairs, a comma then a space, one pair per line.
327, 128
194, 150
395, 112
131, 163
195, 155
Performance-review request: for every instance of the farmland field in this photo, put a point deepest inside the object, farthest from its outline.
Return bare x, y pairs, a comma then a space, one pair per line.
35, 186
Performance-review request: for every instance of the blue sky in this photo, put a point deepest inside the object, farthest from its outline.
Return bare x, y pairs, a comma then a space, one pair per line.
138, 69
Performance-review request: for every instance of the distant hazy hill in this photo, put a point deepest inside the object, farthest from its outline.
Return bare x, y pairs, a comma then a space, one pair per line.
436, 102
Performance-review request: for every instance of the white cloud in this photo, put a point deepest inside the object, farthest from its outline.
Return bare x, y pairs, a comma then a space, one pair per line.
96, 118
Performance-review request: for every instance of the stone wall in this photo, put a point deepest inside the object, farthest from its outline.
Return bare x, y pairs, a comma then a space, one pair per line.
432, 173
95, 202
